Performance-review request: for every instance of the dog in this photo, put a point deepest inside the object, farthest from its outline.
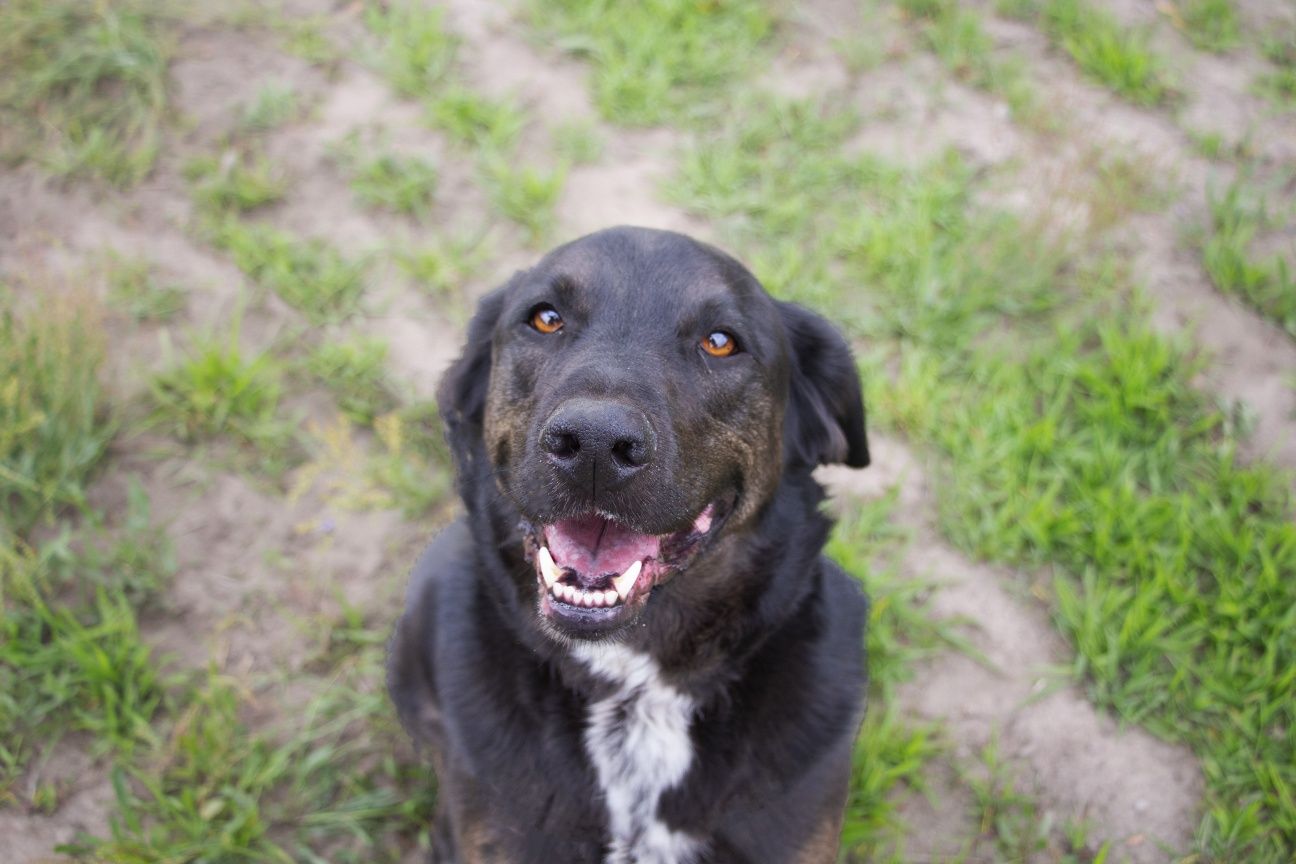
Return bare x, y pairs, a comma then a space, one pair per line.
629, 648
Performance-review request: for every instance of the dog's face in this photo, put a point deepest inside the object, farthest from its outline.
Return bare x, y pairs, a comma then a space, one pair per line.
632, 395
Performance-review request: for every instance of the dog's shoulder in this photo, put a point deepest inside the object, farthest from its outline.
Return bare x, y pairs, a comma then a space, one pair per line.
411, 654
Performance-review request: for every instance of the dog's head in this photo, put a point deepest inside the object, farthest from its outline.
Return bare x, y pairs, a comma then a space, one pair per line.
636, 398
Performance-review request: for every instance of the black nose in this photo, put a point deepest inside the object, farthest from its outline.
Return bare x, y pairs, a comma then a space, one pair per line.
598, 444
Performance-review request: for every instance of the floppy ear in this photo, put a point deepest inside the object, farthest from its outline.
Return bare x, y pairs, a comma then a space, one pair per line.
461, 395
824, 423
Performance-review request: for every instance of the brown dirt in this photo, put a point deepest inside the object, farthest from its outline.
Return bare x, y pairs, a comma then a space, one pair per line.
257, 565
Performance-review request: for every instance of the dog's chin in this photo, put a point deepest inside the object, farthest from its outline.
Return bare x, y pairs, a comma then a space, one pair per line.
596, 575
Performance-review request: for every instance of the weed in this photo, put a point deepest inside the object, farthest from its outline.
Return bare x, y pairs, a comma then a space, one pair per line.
443, 265
323, 789
309, 275
415, 53
274, 105
65, 669
404, 184
414, 465
658, 61
84, 89
956, 35
1116, 56
1269, 285
578, 142
1279, 85
1211, 25
218, 389
525, 194
54, 426
355, 372
133, 289
476, 120
235, 181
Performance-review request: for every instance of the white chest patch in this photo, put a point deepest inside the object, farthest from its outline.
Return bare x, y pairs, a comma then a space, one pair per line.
638, 740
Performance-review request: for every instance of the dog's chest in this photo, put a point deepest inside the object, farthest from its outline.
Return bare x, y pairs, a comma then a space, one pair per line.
638, 741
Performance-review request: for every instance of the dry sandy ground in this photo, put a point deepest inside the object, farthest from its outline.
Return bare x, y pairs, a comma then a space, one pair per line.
255, 566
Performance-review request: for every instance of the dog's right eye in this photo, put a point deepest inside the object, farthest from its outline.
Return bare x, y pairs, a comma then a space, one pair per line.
546, 319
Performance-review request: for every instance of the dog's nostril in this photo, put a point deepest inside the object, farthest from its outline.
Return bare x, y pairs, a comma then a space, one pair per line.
564, 445
629, 452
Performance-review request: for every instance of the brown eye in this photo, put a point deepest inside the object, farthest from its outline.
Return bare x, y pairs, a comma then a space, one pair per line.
546, 319
718, 343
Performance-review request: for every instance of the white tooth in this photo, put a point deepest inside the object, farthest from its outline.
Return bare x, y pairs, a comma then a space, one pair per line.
595, 598
548, 568
626, 581
609, 597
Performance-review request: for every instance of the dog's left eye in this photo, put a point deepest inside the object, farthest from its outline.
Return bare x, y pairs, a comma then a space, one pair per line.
718, 343
546, 319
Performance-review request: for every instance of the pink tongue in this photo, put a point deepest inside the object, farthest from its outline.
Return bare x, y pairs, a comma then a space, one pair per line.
593, 546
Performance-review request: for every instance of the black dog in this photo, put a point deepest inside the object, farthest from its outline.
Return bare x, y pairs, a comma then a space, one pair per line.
629, 649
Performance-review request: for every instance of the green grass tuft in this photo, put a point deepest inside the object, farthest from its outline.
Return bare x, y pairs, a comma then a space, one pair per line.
218, 389
1116, 56
442, 266
1269, 286
1211, 25
309, 275
234, 181
416, 52
134, 290
392, 181
525, 194
84, 89
355, 372
475, 120
662, 60
274, 105
1279, 85
54, 425
578, 142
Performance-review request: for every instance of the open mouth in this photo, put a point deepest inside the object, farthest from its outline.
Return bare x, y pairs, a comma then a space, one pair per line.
594, 569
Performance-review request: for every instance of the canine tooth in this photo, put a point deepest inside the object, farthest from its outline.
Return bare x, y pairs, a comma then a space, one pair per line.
609, 597
548, 568
626, 581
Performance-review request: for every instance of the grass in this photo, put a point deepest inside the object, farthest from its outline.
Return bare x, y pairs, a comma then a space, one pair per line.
274, 105
475, 120
1236, 217
219, 389
1073, 439
54, 422
387, 180
660, 61
355, 372
309, 275
85, 87
134, 290
525, 194
577, 142
442, 266
891, 751
1279, 84
956, 35
1211, 25
414, 53
1012, 819
237, 181
1118, 57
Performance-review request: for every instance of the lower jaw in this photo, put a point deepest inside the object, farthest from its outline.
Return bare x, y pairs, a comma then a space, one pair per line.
585, 621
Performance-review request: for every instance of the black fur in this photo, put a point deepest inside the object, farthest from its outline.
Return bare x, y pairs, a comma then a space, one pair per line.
760, 630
